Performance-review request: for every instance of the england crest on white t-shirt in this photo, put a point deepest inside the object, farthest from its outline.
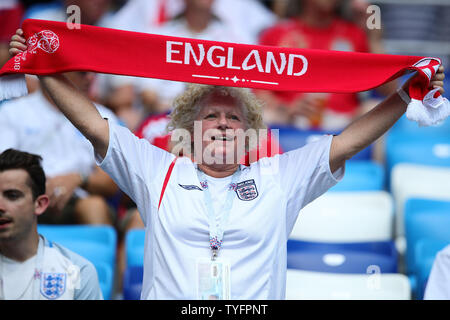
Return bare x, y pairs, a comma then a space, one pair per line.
246, 190
53, 285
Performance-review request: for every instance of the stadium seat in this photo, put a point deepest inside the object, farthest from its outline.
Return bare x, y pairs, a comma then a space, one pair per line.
425, 254
405, 147
425, 219
361, 175
95, 243
342, 257
134, 246
105, 277
132, 282
292, 138
362, 216
406, 126
412, 180
309, 285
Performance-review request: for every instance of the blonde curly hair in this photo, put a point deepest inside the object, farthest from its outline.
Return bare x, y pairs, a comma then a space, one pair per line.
187, 106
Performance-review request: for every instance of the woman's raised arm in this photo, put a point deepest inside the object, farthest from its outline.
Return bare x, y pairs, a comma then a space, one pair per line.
71, 102
372, 125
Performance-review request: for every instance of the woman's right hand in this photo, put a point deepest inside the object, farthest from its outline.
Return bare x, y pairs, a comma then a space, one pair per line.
17, 44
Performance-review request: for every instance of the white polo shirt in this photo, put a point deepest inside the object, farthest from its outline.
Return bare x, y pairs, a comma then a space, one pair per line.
54, 273
438, 285
258, 228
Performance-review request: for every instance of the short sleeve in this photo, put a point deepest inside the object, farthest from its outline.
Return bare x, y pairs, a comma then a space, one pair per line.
89, 287
136, 166
438, 286
305, 174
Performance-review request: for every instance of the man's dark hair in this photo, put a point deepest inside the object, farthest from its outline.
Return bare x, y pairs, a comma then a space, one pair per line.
31, 163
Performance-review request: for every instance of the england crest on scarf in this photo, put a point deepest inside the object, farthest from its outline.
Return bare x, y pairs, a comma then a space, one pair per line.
53, 285
246, 190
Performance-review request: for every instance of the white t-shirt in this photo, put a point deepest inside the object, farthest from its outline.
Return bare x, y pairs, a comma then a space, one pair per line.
18, 285
59, 275
438, 285
259, 223
32, 124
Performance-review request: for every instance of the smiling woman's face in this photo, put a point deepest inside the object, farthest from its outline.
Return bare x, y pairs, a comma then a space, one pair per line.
220, 117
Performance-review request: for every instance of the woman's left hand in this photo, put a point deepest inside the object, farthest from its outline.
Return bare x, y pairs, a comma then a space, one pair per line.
438, 80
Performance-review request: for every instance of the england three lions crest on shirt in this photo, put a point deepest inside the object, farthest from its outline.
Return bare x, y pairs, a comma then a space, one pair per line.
246, 190
53, 285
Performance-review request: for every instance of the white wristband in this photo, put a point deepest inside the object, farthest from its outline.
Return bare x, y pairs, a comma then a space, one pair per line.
403, 95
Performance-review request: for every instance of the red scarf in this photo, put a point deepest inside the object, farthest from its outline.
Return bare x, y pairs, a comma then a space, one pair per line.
53, 48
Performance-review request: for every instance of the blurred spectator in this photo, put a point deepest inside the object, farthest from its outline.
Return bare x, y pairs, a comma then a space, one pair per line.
153, 129
417, 29
11, 12
321, 25
139, 15
438, 285
75, 185
93, 12
317, 26
248, 17
358, 13
31, 267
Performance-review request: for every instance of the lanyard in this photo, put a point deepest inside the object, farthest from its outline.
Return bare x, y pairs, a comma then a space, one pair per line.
36, 274
216, 228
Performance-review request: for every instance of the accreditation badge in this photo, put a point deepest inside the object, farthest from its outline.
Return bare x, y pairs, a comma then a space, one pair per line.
213, 279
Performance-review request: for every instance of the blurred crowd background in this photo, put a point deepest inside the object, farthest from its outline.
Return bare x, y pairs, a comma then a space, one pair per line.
419, 27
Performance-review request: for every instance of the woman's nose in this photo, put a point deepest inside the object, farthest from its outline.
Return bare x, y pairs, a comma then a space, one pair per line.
222, 120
